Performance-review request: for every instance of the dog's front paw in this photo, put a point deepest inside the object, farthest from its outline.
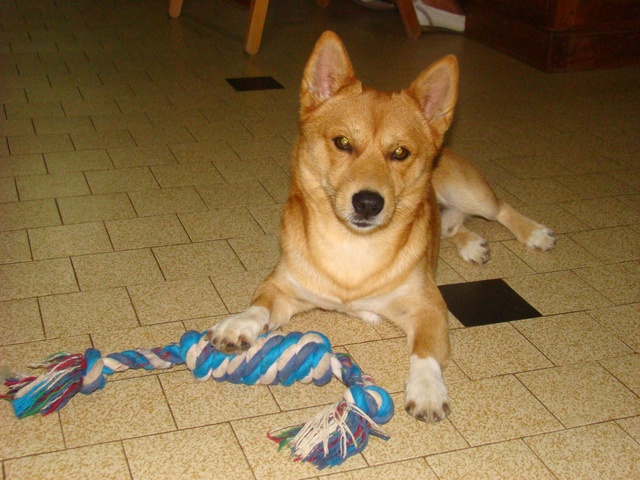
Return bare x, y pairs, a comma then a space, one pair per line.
476, 251
237, 333
426, 394
541, 238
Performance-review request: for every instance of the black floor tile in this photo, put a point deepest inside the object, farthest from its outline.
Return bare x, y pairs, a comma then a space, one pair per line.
486, 302
246, 84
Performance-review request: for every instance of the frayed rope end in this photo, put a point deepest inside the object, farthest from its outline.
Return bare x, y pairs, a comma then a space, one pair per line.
335, 434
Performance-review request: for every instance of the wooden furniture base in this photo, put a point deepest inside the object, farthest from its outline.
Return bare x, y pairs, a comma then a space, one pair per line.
559, 35
258, 14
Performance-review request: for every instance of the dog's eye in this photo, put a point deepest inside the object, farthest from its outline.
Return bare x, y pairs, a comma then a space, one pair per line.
400, 153
342, 143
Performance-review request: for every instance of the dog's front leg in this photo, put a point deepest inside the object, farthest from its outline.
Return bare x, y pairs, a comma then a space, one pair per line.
424, 319
272, 306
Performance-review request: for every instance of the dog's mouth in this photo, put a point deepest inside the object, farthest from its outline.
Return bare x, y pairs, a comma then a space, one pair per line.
362, 225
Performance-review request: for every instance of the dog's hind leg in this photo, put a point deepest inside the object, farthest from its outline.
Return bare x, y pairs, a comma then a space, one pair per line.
462, 191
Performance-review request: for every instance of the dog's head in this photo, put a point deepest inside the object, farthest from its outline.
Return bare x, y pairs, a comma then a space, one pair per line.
369, 153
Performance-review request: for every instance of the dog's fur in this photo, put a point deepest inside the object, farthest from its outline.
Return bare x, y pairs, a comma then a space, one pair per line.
370, 187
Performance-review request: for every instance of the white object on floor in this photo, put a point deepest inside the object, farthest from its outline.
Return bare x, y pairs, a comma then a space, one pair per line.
433, 17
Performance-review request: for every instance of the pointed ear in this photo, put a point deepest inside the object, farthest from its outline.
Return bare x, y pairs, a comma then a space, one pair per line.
436, 91
327, 71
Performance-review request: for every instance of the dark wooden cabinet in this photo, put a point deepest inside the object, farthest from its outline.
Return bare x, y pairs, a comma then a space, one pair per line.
559, 35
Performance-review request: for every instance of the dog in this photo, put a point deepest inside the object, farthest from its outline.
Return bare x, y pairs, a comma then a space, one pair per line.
372, 190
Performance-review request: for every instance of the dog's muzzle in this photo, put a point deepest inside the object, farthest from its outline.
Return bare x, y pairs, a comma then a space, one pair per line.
366, 206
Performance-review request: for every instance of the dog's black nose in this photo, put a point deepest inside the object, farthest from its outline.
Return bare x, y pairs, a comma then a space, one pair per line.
367, 204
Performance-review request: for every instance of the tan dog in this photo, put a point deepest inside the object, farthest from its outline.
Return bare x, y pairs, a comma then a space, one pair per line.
361, 227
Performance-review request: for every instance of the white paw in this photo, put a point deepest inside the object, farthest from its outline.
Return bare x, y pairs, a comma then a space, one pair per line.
238, 332
426, 395
541, 238
475, 251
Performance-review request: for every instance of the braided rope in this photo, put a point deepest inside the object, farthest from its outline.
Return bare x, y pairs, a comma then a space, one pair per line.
335, 434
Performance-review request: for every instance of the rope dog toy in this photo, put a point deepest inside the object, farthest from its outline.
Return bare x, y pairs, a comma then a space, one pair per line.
336, 433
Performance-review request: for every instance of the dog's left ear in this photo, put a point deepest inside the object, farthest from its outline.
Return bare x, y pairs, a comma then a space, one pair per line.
328, 70
436, 91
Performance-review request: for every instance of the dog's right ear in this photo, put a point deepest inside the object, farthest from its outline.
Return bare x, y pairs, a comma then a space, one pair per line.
328, 70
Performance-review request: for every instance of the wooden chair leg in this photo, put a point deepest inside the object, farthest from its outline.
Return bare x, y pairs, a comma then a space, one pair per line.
175, 7
257, 16
409, 18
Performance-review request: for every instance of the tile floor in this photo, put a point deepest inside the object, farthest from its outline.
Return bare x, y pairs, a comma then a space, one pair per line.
139, 197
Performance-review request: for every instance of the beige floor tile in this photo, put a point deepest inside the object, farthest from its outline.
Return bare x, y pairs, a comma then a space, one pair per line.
91, 107
63, 125
202, 152
263, 146
121, 180
29, 436
177, 300
229, 131
257, 253
117, 121
622, 321
67, 240
20, 321
99, 461
235, 171
146, 413
36, 187
16, 165
557, 292
141, 156
298, 395
20, 357
619, 282
278, 188
571, 338
341, 329
147, 337
62, 162
183, 450
172, 200
555, 217
593, 452
146, 232
532, 167
566, 255
494, 350
237, 289
263, 456
411, 438
631, 426
145, 135
445, 274
8, 192
574, 394
18, 126
146, 103
220, 224
503, 263
417, 468
538, 190
235, 195
94, 208
117, 269
195, 403
387, 361
611, 245
626, 369
14, 247
44, 277
34, 110
197, 260
497, 409
87, 312
269, 217
102, 139
602, 212
595, 185
511, 459
183, 175
53, 142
